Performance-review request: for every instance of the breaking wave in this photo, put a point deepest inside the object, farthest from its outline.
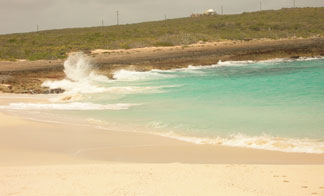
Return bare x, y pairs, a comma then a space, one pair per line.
80, 77
126, 75
66, 106
264, 142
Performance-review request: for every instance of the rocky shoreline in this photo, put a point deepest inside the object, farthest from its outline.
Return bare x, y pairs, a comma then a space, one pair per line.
27, 76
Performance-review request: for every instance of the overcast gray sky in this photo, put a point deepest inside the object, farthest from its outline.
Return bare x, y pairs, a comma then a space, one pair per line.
24, 15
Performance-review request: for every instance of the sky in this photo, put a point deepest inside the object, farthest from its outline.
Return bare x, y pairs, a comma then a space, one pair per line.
24, 15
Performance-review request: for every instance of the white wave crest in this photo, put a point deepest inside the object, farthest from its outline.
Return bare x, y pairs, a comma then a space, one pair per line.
71, 87
276, 60
257, 142
67, 106
234, 63
80, 77
132, 89
280, 60
127, 75
78, 67
196, 68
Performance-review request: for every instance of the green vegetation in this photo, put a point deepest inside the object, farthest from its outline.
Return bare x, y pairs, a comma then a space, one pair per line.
54, 44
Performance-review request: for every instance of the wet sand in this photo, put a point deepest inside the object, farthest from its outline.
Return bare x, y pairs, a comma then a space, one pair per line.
38, 158
51, 158
84, 142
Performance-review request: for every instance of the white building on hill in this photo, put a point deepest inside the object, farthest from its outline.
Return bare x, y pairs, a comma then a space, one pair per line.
209, 12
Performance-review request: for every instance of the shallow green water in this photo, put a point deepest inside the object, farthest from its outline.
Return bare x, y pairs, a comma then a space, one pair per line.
274, 105
283, 99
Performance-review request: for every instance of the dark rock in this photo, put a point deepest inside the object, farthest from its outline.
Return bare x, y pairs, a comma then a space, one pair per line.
56, 91
45, 92
295, 57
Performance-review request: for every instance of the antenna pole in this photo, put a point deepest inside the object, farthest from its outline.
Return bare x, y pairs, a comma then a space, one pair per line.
117, 13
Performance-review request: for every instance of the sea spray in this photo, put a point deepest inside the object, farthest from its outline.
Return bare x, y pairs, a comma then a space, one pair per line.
80, 76
81, 81
77, 67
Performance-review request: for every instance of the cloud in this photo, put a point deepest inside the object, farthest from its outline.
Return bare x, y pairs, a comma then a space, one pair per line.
110, 2
27, 4
24, 15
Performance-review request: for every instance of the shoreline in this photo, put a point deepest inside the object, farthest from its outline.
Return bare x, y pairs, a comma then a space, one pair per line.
25, 107
44, 158
26, 77
108, 145
206, 105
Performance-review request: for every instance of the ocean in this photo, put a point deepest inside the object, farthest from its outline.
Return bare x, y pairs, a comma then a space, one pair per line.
274, 105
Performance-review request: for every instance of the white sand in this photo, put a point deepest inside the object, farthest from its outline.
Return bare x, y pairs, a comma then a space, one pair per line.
44, 159
163, 179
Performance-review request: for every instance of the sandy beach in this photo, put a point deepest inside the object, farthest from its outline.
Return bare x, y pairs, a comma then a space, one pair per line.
50, 158
162, 179
149, 98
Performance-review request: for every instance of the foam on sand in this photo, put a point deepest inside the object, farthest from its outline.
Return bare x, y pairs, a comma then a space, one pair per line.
66, 106
264, 142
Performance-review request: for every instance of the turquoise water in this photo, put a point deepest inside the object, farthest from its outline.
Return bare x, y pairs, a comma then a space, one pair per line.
274, 105
281, 99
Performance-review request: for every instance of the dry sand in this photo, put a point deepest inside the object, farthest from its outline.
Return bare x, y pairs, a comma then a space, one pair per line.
163, 179
42, 158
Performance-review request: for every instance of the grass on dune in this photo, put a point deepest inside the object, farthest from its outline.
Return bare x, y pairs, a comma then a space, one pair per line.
54, 44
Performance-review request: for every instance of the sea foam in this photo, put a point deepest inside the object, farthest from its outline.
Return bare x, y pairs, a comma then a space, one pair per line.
127, 75
80, 77
157, 73
264, 142
66, 106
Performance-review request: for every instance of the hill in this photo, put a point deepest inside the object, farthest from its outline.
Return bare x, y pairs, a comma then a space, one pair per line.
273, 24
